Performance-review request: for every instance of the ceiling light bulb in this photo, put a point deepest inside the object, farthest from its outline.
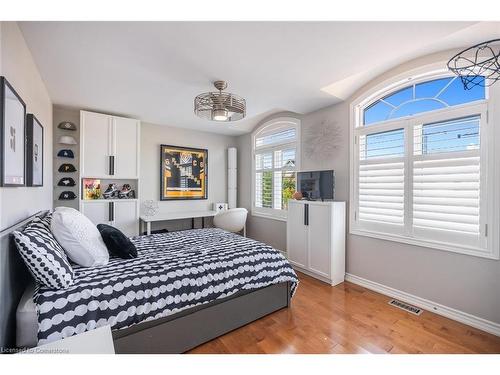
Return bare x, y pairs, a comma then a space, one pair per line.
220, 115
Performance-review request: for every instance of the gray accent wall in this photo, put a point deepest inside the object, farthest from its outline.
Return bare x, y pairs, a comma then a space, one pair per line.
466, 283
18, 66
152, 136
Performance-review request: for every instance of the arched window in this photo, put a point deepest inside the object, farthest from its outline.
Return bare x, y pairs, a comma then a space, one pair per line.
275, 161
418, 165
422, 97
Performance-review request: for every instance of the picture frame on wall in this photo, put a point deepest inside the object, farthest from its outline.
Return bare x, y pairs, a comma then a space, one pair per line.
12, 136
183, 173
34, 151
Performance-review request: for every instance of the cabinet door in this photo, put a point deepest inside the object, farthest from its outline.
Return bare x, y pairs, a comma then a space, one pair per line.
296, 235
95, 144
320, 239
126, 217
126, 147
97, 212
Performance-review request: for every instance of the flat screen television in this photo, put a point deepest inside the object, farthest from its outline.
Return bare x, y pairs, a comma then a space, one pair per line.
316, 185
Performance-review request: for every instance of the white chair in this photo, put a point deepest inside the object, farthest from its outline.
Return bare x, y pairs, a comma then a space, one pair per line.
233, 220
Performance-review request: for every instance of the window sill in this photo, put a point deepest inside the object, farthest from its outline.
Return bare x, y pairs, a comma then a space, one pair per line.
482, 253
266, 216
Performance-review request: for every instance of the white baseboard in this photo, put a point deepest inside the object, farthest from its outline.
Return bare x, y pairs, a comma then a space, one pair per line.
459, 316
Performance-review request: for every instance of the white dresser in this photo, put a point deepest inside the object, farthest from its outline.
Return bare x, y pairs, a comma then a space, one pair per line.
316, 239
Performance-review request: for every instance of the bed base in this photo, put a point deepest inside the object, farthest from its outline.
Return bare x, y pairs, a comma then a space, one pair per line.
188, 329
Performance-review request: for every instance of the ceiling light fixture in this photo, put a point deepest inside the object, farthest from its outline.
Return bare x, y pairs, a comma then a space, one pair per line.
220, 106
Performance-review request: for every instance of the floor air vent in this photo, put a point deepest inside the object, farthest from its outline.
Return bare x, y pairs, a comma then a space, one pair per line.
404, 306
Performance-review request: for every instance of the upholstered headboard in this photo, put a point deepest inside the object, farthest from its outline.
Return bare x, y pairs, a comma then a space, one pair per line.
14, 277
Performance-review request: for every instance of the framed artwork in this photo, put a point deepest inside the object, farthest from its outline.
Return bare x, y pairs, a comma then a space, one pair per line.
183, 173
91, 188
12, 136
34, 151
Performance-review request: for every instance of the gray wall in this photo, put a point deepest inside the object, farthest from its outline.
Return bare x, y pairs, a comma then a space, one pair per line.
17, 65
152, 136
272, 232
466, 283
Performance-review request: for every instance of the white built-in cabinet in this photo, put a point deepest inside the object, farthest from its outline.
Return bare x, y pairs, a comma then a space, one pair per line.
109, 146
109, 151
316, 239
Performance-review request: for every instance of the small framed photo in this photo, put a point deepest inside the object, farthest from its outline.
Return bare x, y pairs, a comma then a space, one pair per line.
12, 136
34, 151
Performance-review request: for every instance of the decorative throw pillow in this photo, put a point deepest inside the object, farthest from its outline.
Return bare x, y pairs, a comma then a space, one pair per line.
117, 243
43, 222
44, 256
79, 237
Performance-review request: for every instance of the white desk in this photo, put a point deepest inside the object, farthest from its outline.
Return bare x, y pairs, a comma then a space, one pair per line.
176, 216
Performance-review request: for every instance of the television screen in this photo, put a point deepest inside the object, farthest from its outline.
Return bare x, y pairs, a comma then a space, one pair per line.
316, 185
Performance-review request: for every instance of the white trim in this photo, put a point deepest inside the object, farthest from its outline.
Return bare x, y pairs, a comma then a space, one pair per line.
431, 244
299, 268
437, 308
256, 213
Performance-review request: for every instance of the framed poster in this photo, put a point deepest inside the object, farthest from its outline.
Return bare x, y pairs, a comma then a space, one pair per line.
183, 173
34, 151
12, 136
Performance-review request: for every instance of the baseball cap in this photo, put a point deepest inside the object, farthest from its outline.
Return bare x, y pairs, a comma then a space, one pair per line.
66, 154
67, 168
67, 195
67, 125
67, 140
66, 181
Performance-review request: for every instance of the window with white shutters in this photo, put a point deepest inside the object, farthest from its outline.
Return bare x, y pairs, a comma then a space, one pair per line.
275, 149
420, 170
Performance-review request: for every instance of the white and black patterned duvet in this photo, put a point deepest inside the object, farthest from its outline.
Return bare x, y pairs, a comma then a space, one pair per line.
173, 272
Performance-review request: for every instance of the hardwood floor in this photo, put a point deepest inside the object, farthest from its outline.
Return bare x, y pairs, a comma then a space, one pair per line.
350, 319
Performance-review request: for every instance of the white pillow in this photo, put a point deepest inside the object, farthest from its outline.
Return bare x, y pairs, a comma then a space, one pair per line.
79, 237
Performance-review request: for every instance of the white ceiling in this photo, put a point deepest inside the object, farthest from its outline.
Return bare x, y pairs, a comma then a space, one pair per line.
153, 70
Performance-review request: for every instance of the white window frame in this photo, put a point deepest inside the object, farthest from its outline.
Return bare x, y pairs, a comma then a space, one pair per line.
489, 204
268, 127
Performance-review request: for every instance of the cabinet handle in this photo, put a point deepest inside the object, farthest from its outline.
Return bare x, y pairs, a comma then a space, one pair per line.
111, 211
111, 165
306, 214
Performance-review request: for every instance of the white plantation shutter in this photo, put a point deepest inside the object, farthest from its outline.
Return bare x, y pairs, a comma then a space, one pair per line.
381, 181
447, 181
446, 194
381, 192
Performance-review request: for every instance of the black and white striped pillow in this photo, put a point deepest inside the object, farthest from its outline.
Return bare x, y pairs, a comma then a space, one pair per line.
43, 222
43, 255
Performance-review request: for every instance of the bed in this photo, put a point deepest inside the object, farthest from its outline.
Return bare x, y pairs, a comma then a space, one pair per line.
185, 288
